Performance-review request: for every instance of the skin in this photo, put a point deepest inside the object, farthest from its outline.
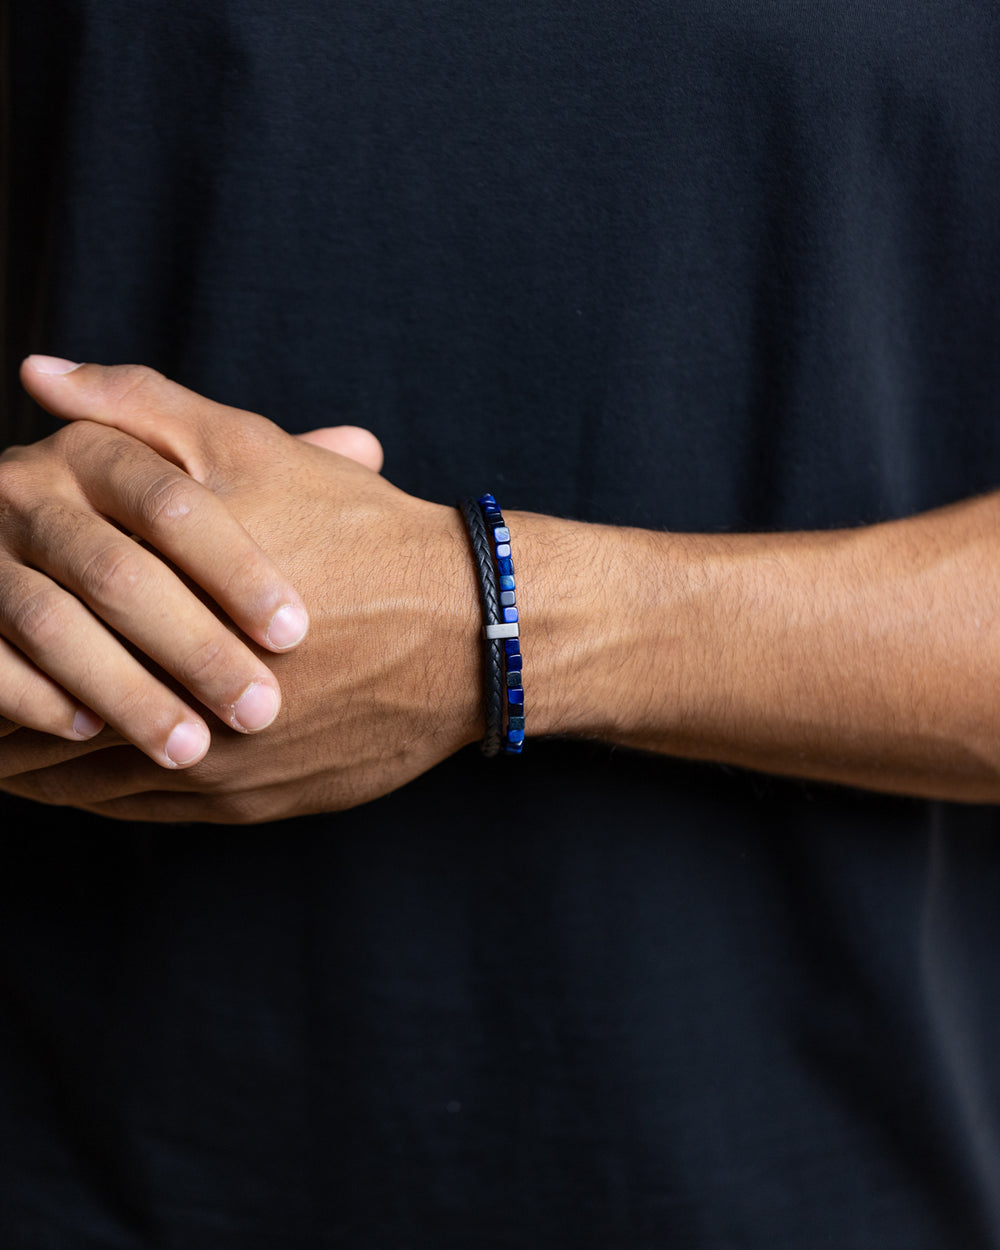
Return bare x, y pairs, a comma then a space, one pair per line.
868, 657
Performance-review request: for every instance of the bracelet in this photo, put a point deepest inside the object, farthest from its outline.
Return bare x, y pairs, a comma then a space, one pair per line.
486, 576
490, 541
509, 629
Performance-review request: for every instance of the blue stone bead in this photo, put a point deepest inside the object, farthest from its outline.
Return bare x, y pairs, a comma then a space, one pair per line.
515, 736
510, 615
513, 680
516, 696
503, 550
506, 582
507, 598
501, 534
512, 646
515, 722
514, 663
505, 567
487, 498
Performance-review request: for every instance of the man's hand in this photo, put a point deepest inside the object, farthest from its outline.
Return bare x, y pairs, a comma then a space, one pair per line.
81, 599
868, 656
387, 682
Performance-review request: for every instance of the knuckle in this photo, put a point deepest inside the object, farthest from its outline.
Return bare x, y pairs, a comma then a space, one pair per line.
206, 662
78, 438
23, 706
113, 574
20, 495
35, 619
127, 384
167, 499
38, 522
12, 478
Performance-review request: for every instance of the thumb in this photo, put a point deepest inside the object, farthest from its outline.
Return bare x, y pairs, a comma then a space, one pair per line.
177, 423
348, 440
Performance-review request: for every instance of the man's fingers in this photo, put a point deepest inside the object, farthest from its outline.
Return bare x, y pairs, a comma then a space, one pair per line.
30, 754
126, 480
351, 441
29, 697
57, 633
68, 777
177, 423
192, 528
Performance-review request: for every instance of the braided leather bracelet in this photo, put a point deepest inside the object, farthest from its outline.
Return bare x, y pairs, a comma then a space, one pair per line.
490, 539
486, 576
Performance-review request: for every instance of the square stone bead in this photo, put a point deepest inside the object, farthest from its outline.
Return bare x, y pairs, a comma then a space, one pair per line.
516, 736
510, 615
506, 582
514, 663
507, 598
515, 697
501, 534
503, 551
513, 680
505, 567
511, 646
515, 722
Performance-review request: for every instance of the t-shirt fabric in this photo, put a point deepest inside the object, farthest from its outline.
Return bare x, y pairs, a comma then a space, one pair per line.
697, 266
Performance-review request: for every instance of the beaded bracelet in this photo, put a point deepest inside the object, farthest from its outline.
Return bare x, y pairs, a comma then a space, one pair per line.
509, 628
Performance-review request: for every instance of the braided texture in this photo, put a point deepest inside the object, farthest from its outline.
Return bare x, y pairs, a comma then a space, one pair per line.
489, 597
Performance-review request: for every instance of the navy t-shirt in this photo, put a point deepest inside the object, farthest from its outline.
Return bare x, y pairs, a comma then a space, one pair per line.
700, 266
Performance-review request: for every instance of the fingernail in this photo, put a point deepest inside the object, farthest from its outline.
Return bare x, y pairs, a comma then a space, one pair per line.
188, 741
288, 627
86, 724
256, 707
52, 364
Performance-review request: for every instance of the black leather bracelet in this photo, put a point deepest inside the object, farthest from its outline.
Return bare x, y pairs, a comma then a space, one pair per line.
493, 668
509, 629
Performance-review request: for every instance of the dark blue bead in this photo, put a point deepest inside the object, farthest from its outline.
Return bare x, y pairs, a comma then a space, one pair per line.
493, 516
507, 598
487, 498
515, 722
506, 582
515, 736
516, 696
501, 534
513, 680
505, 568
514, 663
512, 646
510, 615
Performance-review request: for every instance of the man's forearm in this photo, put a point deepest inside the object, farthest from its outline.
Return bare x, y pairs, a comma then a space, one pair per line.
869, 656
